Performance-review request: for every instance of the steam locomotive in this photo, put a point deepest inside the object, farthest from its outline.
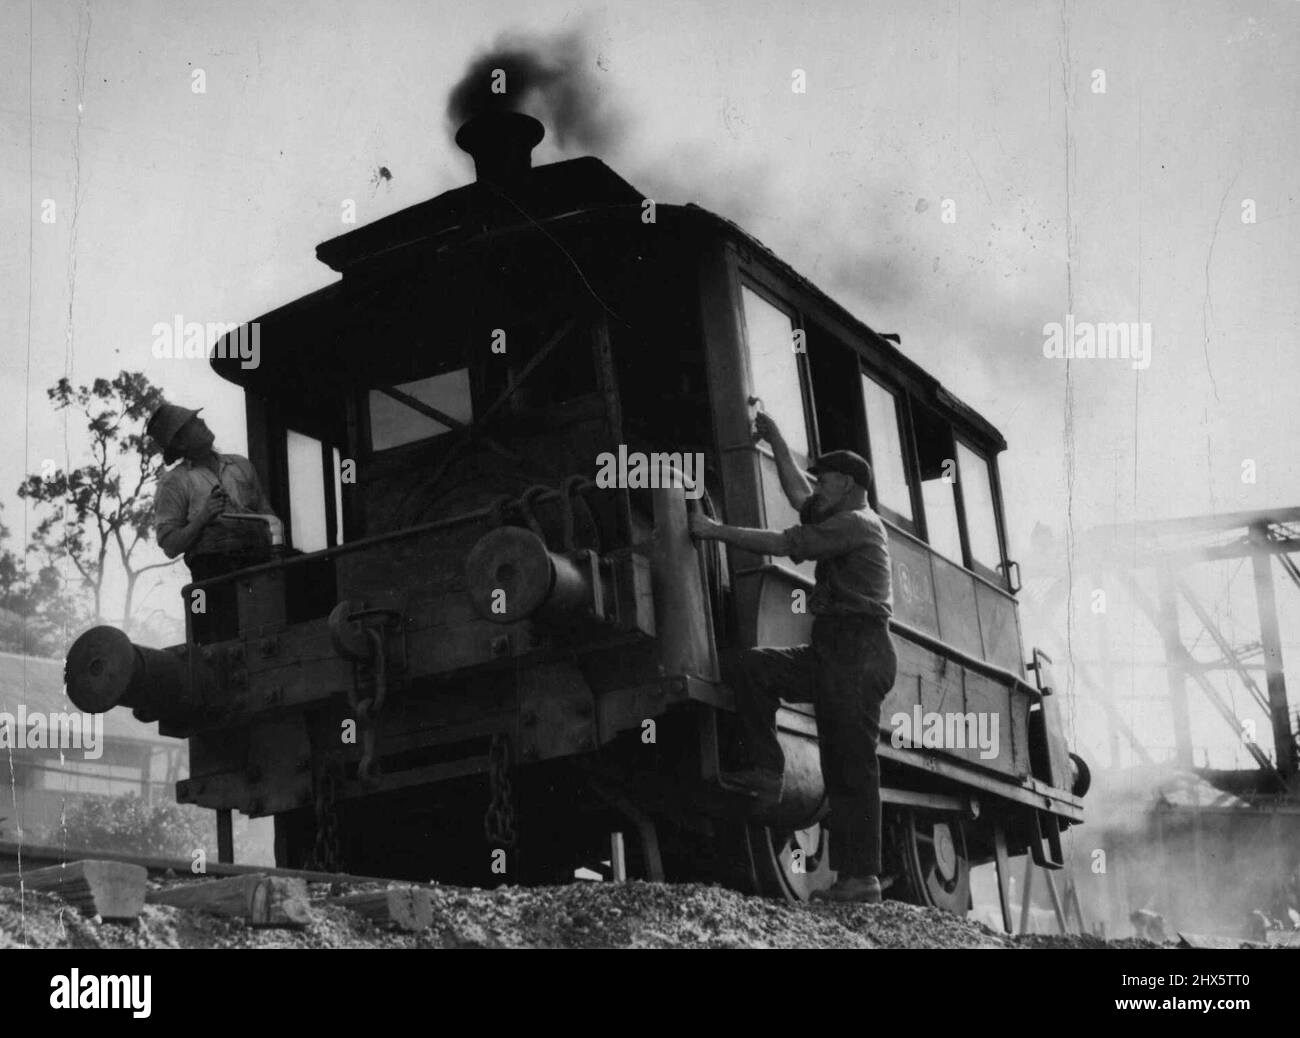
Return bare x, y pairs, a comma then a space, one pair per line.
481, 666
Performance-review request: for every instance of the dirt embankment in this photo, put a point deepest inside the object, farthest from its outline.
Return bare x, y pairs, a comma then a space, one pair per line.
582, 915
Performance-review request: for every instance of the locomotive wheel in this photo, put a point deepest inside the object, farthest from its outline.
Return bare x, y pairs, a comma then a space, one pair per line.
790, 865
930, 852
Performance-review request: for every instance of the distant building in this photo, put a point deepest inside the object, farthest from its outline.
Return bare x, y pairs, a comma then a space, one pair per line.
49, 753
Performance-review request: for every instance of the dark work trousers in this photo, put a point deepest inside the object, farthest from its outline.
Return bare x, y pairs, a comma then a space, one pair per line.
846, 673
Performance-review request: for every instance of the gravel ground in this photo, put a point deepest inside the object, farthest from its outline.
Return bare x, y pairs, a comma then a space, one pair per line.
581, 915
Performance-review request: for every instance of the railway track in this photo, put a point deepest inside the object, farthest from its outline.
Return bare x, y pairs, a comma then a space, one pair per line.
117, 887
14, 856
304, 908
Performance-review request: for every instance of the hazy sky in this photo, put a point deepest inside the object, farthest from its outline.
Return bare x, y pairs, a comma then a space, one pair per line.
1118, 206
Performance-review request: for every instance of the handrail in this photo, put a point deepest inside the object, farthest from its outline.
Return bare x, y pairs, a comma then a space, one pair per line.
342, 549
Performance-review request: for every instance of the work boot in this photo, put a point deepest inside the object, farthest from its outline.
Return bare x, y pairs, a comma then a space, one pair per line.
765, 785
865, 889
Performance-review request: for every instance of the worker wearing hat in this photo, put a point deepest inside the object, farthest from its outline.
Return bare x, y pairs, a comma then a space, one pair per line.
195, 500
847, 670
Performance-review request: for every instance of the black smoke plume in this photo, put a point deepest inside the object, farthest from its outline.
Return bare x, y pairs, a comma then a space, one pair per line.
553, 78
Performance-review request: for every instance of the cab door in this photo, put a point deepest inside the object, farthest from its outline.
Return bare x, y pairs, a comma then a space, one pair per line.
753, 345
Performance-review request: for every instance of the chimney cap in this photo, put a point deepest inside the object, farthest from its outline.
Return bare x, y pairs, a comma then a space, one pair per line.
500, 142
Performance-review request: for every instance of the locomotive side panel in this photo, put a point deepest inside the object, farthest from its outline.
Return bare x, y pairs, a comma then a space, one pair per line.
957, 626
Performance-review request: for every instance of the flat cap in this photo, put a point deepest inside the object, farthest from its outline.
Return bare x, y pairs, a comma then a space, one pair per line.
847, 462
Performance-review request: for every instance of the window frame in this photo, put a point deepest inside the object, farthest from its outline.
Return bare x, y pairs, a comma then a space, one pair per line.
919, 527
755, 279
335, 495
903, 419
747, 279
423, 440
999, 575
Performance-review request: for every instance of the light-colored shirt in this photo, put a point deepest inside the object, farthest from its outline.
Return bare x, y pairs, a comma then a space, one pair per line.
182, 491
851, 550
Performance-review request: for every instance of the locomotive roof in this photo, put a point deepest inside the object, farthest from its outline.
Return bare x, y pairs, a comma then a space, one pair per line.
551, 194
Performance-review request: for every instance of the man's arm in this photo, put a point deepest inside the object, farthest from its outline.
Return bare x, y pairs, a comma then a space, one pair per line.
838, 535
793, 480
760, 542
175, 535
262, 503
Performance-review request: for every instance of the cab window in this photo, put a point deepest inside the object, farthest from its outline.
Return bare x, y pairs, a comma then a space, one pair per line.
888, 462
935, 457
315, 492
776, 379
981, 515
419, 410
774, 369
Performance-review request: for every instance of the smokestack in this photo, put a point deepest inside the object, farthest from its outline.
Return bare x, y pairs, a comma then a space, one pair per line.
501, 144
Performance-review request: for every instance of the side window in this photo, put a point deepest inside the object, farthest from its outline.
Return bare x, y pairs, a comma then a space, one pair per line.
419, 410
336, 501
774, 368
981, 516
775, 379
937, 463
888, 464
309, 500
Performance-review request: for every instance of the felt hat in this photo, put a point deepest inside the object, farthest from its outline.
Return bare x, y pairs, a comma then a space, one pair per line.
164, 424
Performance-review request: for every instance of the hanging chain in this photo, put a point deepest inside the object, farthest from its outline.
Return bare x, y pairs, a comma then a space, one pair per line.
326, 854
499, 820
368, 708
357, 638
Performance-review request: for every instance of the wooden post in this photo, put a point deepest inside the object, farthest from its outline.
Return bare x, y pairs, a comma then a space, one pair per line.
1025, 897
1172, 636
617, 859
1271, 642
1072, 902
1102, 629
225, 836
1057, 907
1004, 874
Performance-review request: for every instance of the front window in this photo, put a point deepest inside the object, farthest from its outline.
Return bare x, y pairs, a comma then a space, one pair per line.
419, 410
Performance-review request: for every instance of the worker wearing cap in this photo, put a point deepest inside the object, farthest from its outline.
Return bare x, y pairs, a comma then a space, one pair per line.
195, 499
847, 670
